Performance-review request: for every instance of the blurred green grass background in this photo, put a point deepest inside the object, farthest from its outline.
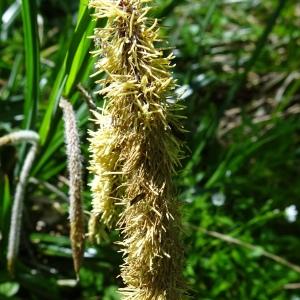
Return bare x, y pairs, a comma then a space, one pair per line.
237, 65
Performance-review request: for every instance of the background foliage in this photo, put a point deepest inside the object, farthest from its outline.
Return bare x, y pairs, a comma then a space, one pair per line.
238, 70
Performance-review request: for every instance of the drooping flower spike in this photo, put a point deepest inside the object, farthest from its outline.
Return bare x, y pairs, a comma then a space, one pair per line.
18, 204
72, 141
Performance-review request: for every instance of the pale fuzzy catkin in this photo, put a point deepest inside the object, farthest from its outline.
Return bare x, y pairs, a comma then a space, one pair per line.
135, 150
72, 141
17, 208
27, 136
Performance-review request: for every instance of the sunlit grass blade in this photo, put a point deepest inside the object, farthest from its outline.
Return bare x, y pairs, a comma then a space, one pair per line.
32, 61
78, 50
53, 102
75, 54
82, 6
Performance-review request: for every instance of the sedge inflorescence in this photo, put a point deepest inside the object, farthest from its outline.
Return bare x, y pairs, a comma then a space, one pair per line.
135, 150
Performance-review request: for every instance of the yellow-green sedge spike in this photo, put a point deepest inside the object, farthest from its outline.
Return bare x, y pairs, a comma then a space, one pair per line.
135, 152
